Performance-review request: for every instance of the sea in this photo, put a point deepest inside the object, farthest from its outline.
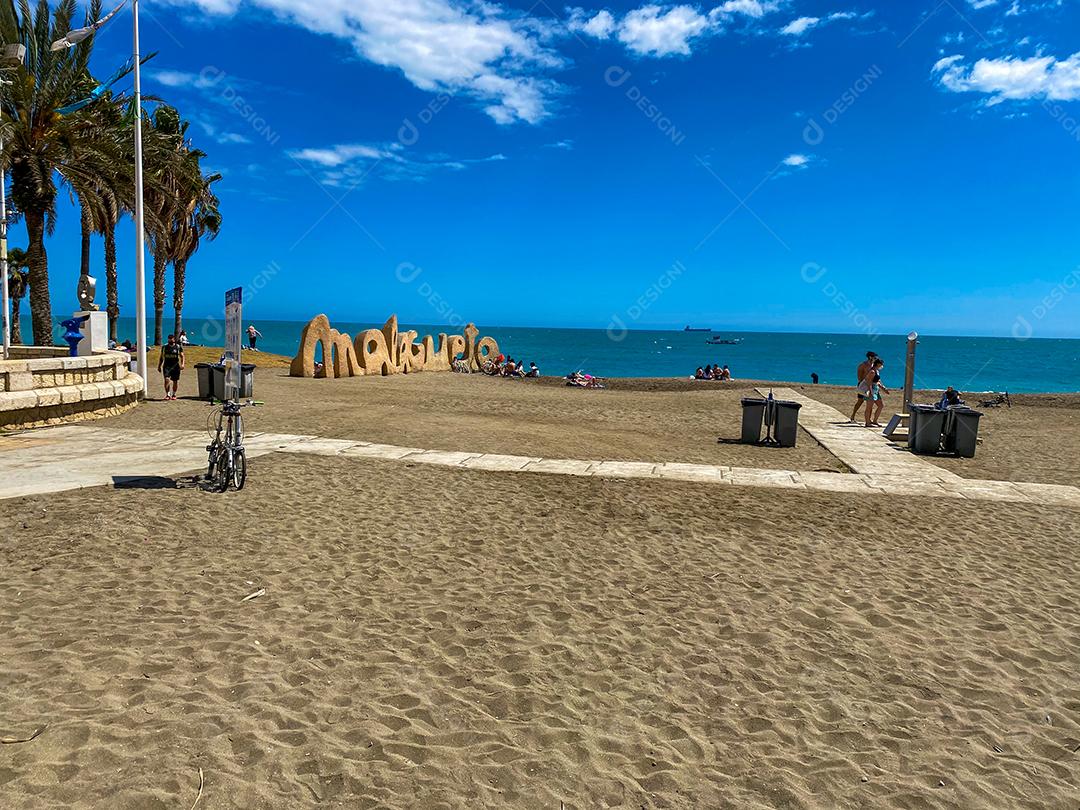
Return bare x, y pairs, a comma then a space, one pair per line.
969, 364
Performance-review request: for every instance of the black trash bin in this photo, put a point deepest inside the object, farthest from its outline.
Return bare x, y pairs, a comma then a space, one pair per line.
786, 427
206, 385
927, 425
217, 381
753, 416
962, 431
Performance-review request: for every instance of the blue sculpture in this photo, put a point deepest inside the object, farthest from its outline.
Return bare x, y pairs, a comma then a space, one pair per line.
73, 335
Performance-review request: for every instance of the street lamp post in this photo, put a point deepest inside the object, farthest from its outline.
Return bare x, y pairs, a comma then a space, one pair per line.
5, 295
12, 54
140, 245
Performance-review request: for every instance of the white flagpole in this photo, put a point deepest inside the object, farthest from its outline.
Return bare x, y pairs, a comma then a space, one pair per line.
140, 248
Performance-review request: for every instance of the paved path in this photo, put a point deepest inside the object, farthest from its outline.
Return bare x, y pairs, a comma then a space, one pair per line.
72, 457
863, 450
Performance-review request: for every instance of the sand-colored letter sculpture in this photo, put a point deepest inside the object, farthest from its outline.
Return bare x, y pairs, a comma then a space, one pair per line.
386, 351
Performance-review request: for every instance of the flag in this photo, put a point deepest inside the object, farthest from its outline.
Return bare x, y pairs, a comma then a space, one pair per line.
99, 91
72, 38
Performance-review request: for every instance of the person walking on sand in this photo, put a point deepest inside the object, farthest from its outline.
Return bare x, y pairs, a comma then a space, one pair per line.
860, 374
874, 387
170, 364
253, 335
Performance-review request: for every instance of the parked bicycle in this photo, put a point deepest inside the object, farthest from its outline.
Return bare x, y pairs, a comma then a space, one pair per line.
996, 402
227, 462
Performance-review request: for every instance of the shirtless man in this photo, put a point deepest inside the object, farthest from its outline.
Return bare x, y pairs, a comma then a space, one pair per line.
860, 374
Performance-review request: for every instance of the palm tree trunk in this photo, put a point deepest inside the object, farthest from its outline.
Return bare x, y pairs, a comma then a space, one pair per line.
179, 274
37, 261
161, 261
112, 305
16, 323
84, 254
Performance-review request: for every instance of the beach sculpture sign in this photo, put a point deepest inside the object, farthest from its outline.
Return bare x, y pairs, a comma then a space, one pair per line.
386, 351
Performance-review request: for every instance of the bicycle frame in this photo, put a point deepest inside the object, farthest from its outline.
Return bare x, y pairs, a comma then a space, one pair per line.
227, 461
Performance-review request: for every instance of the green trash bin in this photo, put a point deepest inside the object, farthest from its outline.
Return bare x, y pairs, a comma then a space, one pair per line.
753, 416
786, 427
962, 431
927, 426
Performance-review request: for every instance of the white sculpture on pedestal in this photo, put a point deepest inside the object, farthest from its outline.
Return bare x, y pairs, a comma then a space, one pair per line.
96, 328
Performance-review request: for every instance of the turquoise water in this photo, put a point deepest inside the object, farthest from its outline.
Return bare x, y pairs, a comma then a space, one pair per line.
967, 363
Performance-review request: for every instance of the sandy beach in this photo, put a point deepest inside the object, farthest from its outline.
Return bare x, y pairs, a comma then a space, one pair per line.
650, 419
444, 638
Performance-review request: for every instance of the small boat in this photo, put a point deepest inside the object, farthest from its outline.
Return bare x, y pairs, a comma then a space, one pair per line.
696, 329
719, 341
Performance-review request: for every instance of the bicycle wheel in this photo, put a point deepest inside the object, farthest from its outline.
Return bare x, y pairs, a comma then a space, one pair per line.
224, 470
213, 460
239, 472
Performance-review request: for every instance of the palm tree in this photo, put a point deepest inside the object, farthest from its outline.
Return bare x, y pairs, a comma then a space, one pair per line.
18, 279
200, 218
43, 145
121, 183
112, 299
168, 175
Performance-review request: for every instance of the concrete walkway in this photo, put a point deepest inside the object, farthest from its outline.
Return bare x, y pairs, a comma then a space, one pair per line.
863, 450
72, 457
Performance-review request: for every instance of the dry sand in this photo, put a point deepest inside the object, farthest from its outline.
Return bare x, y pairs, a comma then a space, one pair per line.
482, 414
440, 638
660, 419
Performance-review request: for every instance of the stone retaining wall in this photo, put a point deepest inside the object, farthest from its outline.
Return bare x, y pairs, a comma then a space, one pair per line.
42, 385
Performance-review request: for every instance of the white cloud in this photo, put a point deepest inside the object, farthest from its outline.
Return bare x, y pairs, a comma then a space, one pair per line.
1012, 78
180, 78
749, 8
977, 4
667, 30
654, 31
232, 137
333, 156
351, 164
439, 45
601, 25
796, 161
800, 26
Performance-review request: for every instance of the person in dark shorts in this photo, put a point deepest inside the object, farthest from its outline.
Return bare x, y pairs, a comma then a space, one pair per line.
253, 337
170, 364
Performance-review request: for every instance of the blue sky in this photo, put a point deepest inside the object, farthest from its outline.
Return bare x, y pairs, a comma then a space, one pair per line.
797, 165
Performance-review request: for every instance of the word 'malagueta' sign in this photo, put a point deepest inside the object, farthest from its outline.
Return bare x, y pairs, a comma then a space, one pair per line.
386, 351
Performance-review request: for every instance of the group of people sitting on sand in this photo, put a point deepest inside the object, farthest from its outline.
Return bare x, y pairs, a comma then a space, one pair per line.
503, 366
713, 373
